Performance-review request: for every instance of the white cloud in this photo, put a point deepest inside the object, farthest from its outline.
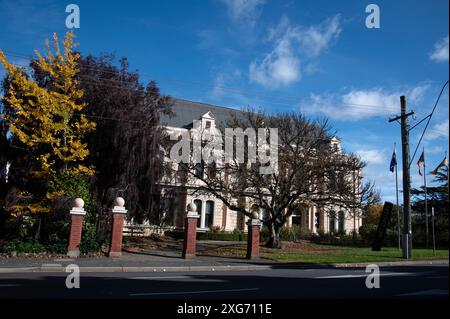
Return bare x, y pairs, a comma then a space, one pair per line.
360, 104
440, 52
437, 131
282, 66
373, 157
244, 11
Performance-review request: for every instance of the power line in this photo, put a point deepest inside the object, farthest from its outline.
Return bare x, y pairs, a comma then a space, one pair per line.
361, 108
222, 88
428, 122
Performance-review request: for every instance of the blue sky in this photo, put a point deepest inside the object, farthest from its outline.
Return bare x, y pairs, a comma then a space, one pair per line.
314, 56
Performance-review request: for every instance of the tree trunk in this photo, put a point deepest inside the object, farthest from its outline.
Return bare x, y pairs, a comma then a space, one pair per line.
274, 239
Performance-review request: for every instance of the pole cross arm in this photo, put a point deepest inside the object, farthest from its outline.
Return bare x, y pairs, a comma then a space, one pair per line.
400, 116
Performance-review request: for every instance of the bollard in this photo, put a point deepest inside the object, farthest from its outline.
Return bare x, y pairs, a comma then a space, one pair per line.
190, 231
76, 226
254, 229
118, 214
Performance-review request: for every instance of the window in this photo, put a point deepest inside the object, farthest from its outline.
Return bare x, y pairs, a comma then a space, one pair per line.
317, 220
297, 219
199, 169
341, 222
198, 203
209, 214
332, 222
208, 124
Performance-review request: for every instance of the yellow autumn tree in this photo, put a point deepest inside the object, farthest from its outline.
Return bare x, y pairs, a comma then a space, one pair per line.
49, 119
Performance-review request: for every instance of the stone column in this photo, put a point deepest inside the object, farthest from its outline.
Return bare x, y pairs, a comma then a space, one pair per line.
254, 228
190, 231
76, 226
203, 214
118, 214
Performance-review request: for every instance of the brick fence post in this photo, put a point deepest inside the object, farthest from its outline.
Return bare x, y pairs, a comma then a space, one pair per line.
190, 231
254, 229
118, 214
76, 225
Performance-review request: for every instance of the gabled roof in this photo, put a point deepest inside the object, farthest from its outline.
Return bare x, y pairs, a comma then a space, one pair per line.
186, 111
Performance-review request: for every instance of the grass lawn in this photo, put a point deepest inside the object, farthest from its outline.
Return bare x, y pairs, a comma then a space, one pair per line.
307, 252
333, 254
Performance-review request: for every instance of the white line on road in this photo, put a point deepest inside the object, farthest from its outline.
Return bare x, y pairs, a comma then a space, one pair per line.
162, 277
191, 292
432, 292
393, 274
9, 285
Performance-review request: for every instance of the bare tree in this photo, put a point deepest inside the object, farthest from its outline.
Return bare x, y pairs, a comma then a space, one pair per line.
311, 170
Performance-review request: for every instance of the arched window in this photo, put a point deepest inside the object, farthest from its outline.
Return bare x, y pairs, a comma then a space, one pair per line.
341, 217
332, 222
198, 203
209, 214
317, 220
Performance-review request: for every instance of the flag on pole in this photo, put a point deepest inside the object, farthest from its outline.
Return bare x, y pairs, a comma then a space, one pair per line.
420, 163
393, 161
443, 163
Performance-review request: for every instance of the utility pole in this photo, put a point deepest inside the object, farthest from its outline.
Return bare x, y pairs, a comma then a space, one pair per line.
407, 232
398, 207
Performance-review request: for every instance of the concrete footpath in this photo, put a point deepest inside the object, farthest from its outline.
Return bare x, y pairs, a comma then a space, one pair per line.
167, 262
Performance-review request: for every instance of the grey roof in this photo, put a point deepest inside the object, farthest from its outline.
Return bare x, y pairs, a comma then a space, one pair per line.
186, 111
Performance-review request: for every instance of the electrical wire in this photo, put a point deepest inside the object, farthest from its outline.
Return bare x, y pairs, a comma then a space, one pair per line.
222, 88
428, 122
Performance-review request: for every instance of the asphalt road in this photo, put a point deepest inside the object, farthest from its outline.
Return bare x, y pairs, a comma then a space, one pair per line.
395, 282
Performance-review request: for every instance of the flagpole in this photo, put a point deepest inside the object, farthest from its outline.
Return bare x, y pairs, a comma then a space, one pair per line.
398, 208
426, 202
432, 229
448, 179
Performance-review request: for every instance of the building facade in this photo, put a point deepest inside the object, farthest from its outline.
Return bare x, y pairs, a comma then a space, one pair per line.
214, 215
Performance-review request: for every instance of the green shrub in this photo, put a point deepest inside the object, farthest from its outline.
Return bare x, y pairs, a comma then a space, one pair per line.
265, 233
89, 241
294, 233
57, 248
23, 247
368, 232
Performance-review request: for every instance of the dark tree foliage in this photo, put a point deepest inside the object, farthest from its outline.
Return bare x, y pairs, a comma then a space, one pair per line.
125, 146
437, 197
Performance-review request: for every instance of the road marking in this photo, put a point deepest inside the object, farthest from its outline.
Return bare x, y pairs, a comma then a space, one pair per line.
191, 292
432, 292
393, 274
181, 278
9, 285
51, 265
162, 277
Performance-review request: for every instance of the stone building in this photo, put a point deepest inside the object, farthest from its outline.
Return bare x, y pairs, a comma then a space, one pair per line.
213, 213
